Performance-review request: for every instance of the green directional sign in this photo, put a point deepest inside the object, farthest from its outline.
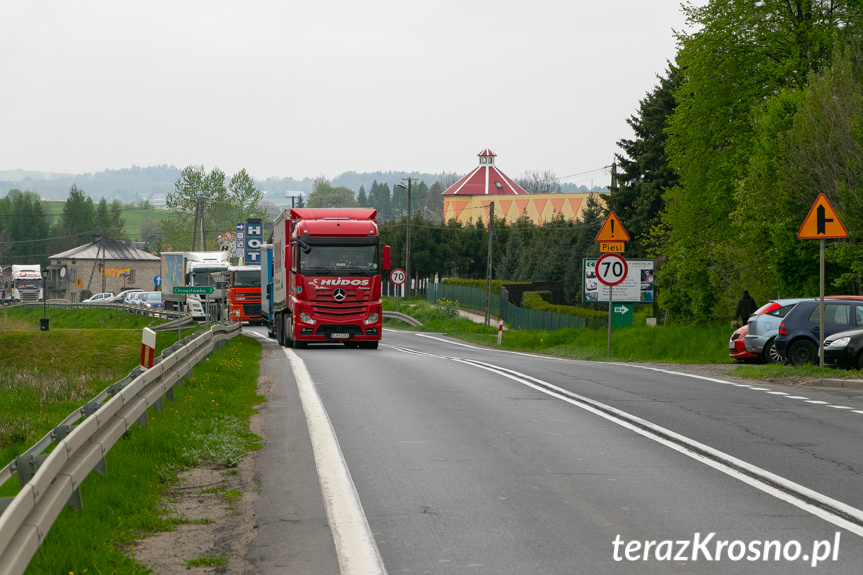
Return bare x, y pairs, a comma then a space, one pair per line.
202, 290
621, 315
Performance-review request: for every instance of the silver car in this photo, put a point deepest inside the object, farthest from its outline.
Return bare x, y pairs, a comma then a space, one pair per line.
764, 326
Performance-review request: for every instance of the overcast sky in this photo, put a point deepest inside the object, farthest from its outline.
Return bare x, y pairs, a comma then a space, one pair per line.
291, 88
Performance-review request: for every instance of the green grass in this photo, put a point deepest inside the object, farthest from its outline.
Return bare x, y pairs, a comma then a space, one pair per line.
135, 218
684, 344
206, 422
207, 561
46, 375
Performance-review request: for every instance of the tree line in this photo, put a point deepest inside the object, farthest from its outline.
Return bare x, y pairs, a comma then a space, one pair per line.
760, 113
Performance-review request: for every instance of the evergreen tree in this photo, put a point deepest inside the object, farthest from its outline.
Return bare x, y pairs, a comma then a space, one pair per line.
24, 226
77, 222
644, 171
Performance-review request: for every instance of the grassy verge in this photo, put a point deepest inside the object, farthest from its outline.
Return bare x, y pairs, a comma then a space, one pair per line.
44, 376
207, 422
684, 344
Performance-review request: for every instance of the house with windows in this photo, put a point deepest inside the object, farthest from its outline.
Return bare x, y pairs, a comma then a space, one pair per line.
470, 198
103, 265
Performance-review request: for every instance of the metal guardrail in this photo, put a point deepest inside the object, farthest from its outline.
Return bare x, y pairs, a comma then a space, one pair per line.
64, 304
50, 481
403, 317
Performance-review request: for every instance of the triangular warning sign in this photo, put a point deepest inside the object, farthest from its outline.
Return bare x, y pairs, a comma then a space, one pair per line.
612, 230
78, 282
822, 222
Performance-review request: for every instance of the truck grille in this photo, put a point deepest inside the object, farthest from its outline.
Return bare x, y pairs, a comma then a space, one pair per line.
338, 311
252, 309
29, 295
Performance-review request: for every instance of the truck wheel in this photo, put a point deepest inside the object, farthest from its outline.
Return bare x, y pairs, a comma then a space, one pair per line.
288, 323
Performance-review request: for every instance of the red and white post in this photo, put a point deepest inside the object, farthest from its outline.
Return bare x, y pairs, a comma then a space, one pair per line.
499, 331
148, 347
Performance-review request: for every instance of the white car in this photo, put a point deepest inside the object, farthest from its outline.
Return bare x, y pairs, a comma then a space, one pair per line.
99, 298
121, 297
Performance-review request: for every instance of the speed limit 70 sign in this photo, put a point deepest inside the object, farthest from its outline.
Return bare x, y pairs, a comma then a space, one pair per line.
611, 269
397, 276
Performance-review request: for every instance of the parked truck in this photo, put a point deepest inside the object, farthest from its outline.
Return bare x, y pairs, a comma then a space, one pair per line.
327, 266
194, 269
244, 294
267, 287
27, 283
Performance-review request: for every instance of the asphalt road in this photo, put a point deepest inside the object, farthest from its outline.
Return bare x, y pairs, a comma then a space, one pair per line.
448, 458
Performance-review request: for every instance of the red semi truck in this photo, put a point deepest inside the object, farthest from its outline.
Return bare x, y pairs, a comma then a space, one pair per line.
327, 266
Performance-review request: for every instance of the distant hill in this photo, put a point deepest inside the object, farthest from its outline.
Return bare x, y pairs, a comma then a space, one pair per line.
136, 184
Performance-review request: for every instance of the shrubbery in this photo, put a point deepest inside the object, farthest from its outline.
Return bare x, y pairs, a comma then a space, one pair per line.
534, 300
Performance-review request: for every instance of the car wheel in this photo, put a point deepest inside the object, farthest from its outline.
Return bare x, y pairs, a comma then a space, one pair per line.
802, 351
860, 361
770, 353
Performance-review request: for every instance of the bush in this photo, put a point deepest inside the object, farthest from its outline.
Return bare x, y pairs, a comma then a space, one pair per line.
534, 300
479, 284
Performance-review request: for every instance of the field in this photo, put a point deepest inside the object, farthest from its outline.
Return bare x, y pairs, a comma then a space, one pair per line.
135, 218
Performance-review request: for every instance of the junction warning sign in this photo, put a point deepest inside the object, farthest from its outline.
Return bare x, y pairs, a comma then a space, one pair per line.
822, 222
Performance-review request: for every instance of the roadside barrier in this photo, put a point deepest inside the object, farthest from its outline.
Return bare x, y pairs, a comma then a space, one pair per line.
51, 481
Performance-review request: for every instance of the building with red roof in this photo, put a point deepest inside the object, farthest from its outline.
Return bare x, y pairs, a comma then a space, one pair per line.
470, 197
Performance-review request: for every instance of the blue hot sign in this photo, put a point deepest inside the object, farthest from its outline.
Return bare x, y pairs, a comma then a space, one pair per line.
254, 240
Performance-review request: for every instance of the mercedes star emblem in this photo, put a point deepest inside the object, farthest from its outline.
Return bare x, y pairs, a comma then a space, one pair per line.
339, 294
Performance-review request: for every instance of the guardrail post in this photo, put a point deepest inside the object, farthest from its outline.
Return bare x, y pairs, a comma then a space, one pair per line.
27, 467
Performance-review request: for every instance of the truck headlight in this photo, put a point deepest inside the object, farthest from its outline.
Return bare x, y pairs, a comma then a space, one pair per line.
306, 318
373, 318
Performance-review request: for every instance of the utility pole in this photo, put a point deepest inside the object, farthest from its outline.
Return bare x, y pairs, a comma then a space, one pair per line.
613, 176
103, 260
203, 241
408, 235
195, 225
488, 266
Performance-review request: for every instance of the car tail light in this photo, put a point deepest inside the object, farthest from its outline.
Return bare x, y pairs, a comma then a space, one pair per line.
782, 330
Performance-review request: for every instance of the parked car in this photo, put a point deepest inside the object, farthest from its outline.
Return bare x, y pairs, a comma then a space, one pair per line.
798, 336
99, 298
764, 325
121, 297
152, 300
133, 298
844, 349
737, 347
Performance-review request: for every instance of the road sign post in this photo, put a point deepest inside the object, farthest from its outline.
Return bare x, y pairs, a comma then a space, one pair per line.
397, 277
611, 269
821, 223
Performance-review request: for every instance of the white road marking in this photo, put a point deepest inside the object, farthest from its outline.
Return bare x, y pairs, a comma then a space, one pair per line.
356, 548
831, 510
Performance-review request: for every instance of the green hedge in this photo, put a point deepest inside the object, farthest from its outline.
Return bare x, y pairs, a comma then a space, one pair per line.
534, 300
478, 284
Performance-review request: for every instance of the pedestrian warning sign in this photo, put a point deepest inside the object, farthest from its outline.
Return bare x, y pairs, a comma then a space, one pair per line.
822, 222
612, 230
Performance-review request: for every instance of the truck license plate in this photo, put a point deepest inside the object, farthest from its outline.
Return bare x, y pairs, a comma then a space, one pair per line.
340, 335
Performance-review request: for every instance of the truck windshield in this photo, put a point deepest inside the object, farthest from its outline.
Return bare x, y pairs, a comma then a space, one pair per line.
348, 260
27, 283
246, 279
201, 275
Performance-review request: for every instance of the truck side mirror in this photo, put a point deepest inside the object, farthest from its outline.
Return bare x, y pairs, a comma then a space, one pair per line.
387, 258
